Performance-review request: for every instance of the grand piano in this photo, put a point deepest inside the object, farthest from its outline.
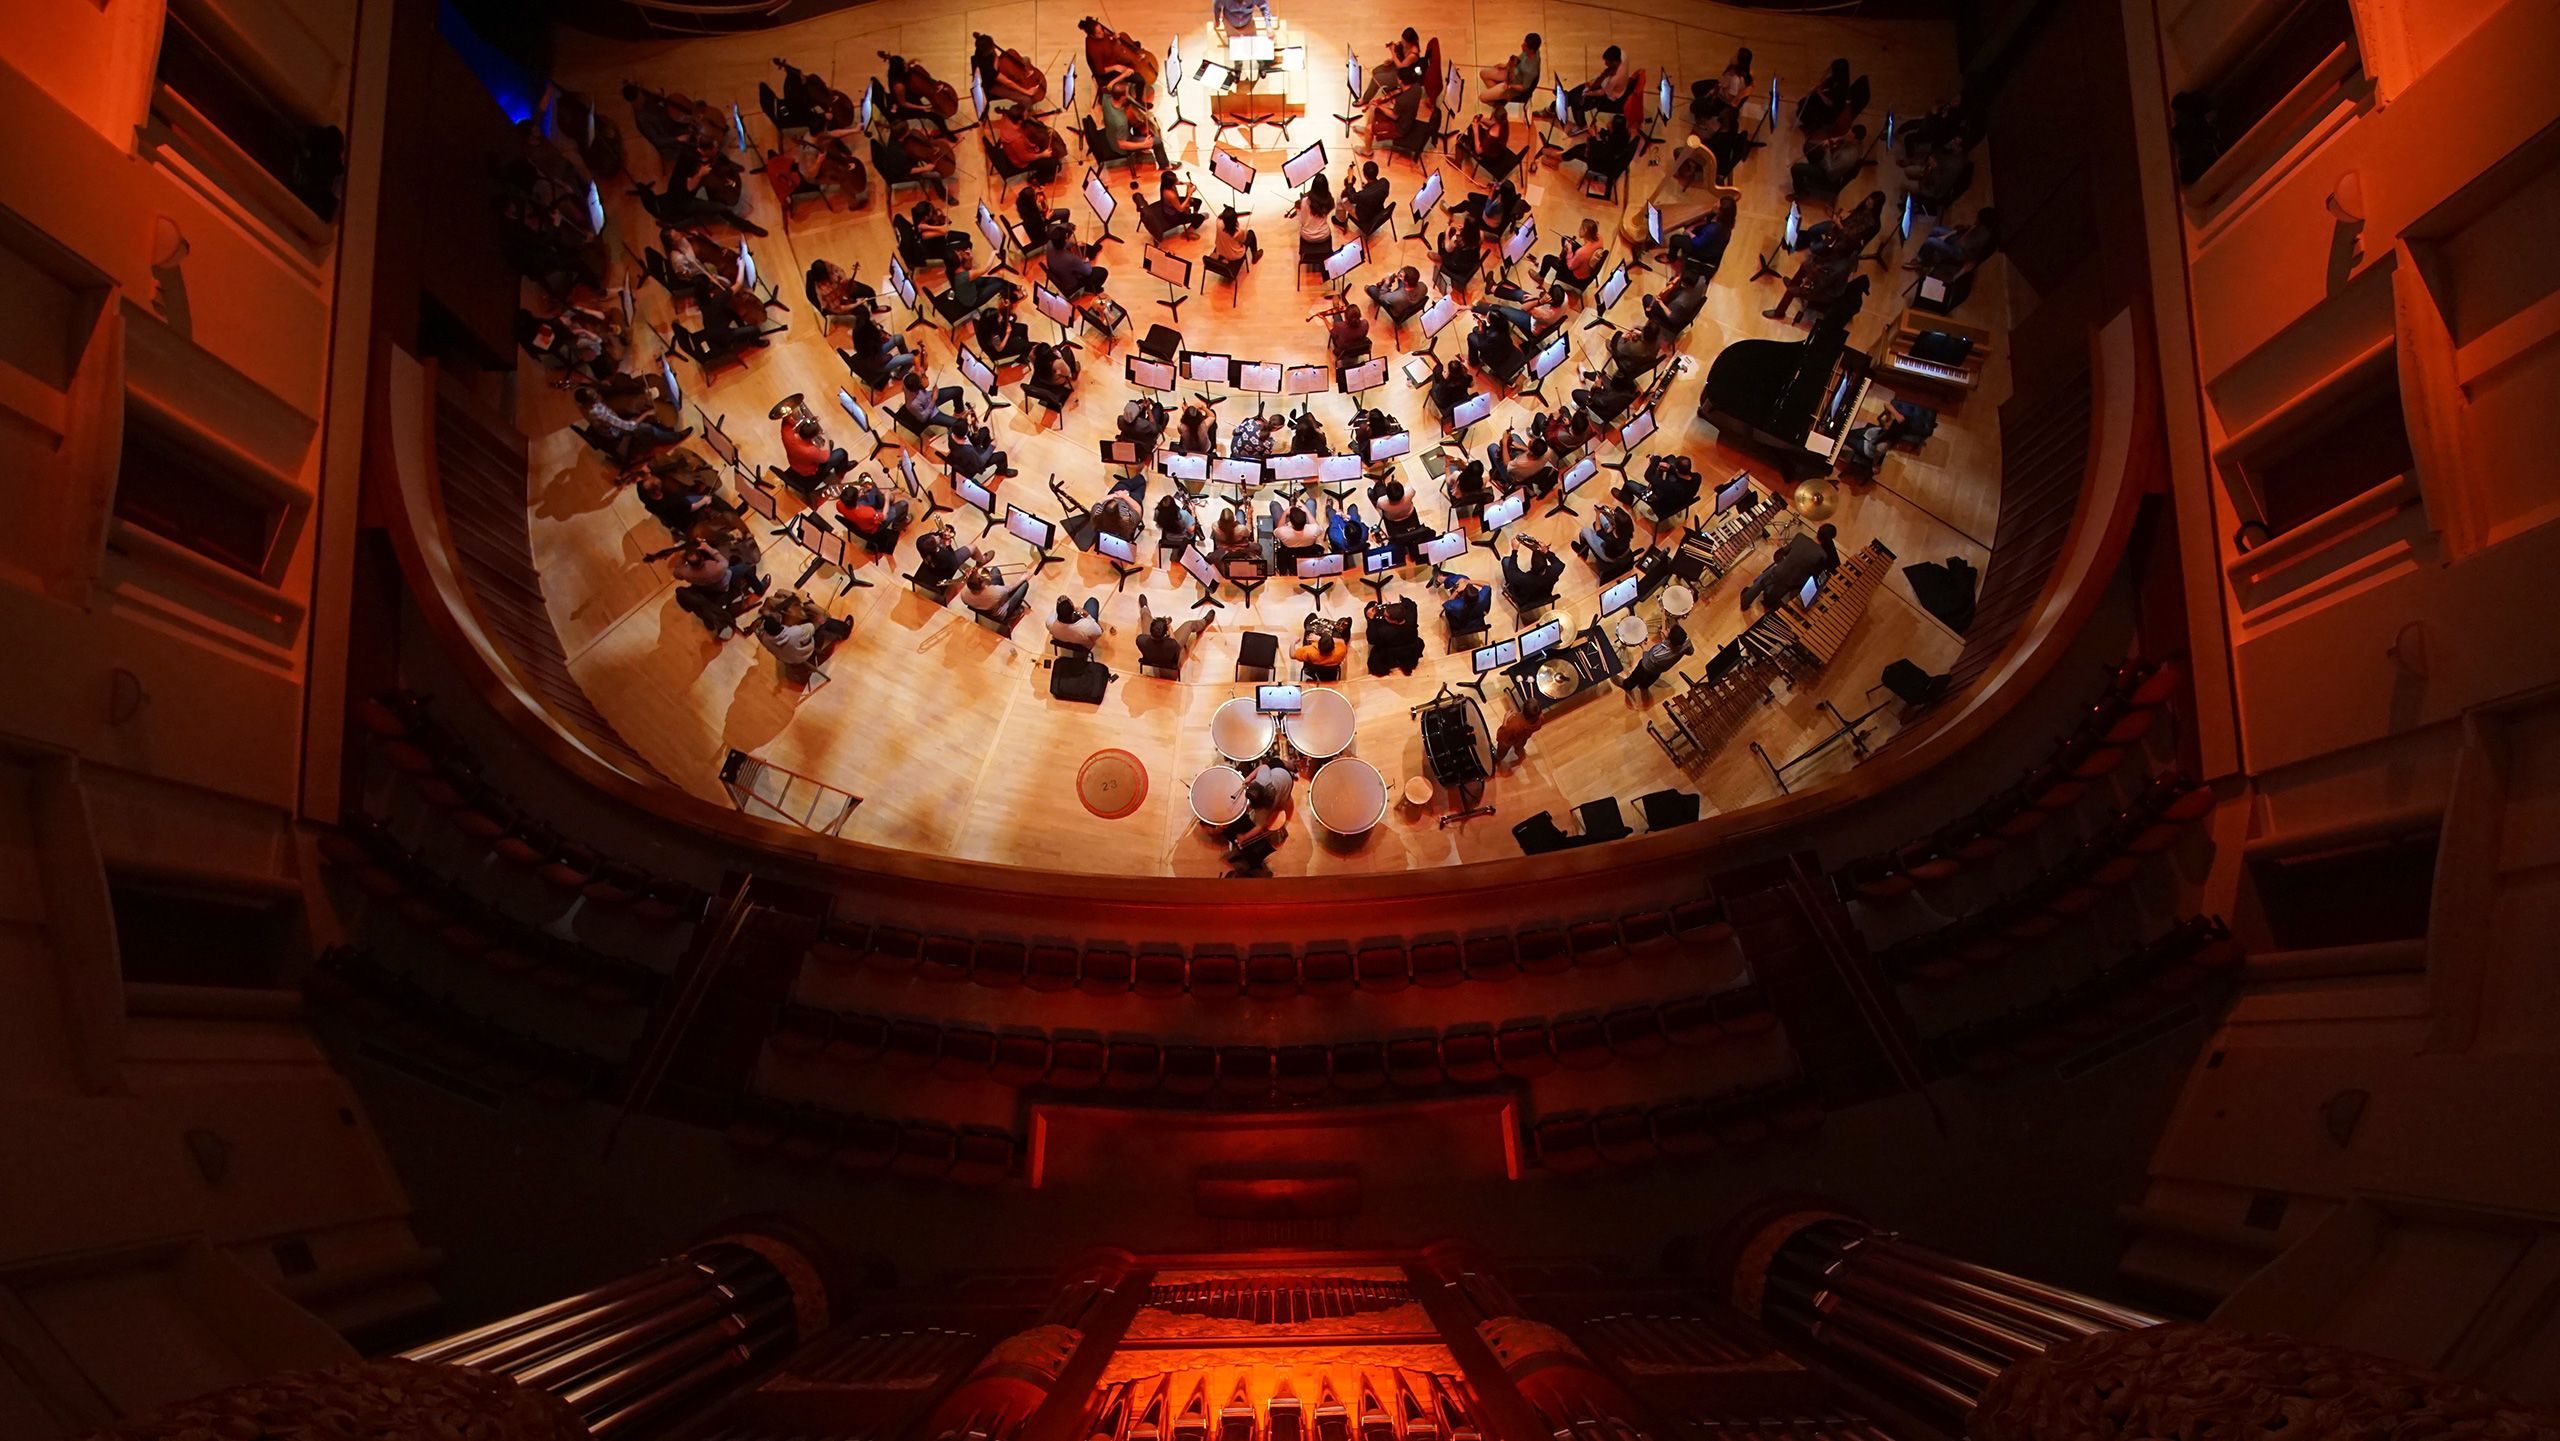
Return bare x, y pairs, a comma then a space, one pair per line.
1794, 399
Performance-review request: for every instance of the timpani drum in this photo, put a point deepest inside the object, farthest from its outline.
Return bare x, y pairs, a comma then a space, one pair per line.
1322, 728
1348, 797
1217, 796
1678, 600
1240, 732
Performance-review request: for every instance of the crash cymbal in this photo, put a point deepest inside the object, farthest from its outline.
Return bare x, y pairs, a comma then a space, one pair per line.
1815, 499
1556, 680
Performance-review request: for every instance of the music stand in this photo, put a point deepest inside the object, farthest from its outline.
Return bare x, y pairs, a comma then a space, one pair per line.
1316, 585
1173, 83
862, 422
1175, 272
1118, 554
1572, 480
1059, 310
1638, 428
1099, 199
1232, 172
1034, 531
1197, 566
1610, 289
1786, 238
1377, 570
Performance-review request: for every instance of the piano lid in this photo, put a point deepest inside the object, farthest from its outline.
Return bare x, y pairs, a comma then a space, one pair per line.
1774, 386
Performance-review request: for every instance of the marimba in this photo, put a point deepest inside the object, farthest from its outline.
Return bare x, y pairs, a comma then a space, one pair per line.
1806, 637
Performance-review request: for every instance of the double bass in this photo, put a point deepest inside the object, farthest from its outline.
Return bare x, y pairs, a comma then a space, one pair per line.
1106, 49
913, 87
1008, 74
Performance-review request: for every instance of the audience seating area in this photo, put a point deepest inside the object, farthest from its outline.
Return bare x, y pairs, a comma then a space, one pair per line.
788, 1116
445, 911
2120, 997
2123, 714
471, 1048
451, 779
1167, 969
2148, 824
1689, 1127
812, 1136
1474, 1054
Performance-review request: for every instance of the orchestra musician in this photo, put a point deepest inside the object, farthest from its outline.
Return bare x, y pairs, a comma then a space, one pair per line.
1128, 126
1604, 91
1515, 78
1177, 206
1230, 16
1026, 144
915, 97
1112, 56
1009, 79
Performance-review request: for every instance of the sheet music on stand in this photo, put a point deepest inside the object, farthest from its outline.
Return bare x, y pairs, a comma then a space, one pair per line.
766, 791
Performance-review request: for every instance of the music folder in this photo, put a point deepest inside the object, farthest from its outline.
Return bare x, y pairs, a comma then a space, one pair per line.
1051, 304
1307, 380
1146, 374
1303, 166
1168, 267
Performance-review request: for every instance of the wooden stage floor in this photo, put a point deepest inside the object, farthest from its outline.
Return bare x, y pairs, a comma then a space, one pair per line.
947, 732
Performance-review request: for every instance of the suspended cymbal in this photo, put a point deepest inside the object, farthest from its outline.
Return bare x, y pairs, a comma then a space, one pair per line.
1556, 680
1815, 499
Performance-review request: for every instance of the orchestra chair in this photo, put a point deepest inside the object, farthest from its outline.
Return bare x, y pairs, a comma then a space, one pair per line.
1257, 654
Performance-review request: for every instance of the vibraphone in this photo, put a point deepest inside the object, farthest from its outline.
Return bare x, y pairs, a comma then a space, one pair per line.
1802, 637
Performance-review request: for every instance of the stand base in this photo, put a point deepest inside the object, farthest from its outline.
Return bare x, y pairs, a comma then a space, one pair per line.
1124, 572
1208, 600
1318, 590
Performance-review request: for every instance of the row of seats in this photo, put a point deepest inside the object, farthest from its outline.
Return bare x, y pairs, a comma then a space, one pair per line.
2122, 994
448, 775
1168, 969
2149, 823
380, 866
1569, 1141
2121, 715
483, 1049
1469, 1054
871, 1145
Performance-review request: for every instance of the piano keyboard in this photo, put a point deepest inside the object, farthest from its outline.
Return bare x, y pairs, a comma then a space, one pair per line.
1821, 629
1823, 440
1943, 374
